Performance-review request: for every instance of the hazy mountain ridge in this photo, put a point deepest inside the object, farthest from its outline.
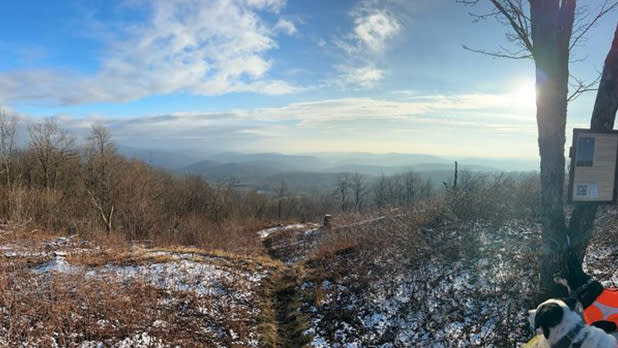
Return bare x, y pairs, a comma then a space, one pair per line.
158, 158
364, 163
319, 172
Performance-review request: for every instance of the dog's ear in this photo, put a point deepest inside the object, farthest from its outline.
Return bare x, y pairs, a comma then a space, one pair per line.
548, 316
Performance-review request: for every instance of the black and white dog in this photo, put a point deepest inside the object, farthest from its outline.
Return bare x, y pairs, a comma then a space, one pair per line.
563, 327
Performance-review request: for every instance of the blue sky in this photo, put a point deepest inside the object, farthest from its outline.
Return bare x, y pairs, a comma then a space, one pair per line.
276, 75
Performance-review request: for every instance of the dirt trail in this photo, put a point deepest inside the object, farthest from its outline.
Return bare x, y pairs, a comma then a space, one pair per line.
286, 301
291, 323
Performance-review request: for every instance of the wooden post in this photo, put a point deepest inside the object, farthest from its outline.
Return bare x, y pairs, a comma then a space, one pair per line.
327, 220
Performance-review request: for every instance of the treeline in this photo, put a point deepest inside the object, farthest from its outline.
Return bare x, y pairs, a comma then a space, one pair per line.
56, 183
356, 192
472, 196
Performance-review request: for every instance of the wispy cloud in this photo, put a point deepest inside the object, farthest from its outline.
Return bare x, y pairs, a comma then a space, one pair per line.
201, 47
375, 25
362, 76
286, 26
440, 124
478, 110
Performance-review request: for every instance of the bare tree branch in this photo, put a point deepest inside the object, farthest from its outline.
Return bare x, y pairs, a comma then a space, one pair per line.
581, 87
510, 13
505, 54
605, 8
514, 19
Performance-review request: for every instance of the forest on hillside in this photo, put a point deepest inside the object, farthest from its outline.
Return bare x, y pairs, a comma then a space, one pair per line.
59, 183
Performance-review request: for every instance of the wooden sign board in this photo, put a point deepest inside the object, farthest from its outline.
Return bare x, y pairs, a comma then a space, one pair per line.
593, 170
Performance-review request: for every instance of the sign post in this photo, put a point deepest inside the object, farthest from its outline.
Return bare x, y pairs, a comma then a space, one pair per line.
593, 169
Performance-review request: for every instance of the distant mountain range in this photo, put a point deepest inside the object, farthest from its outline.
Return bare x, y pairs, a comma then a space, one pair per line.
316, 171
263, 164
158, 158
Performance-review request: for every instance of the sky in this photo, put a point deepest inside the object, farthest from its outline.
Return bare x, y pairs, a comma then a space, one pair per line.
294, 76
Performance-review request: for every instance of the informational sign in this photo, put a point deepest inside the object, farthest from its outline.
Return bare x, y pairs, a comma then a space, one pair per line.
593, 169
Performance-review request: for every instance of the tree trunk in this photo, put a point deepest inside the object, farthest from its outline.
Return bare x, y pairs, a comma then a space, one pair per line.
603, 117
552, 22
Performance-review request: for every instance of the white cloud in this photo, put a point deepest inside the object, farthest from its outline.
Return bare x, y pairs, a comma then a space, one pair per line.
374, 26
364, 76
204, 47
399, 124
478, 109
286, 26
274, 5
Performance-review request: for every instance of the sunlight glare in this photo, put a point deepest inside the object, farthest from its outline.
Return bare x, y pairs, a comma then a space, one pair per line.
524, 95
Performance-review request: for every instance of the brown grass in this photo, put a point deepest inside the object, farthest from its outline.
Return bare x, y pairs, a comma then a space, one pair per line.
72, 308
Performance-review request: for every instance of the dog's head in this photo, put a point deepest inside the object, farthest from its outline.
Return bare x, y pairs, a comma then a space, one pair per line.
555, 317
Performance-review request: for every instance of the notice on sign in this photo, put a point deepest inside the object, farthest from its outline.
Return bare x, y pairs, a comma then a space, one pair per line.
588, 190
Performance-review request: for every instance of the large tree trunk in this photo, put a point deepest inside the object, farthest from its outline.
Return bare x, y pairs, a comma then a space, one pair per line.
603, 116
552, 22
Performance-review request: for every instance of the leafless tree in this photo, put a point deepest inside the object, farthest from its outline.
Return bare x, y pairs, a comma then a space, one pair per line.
344, 183
53, 146
412, 187
282, 192
380, 192
8, 127
220, 207
359, 190
547, 31
101, 173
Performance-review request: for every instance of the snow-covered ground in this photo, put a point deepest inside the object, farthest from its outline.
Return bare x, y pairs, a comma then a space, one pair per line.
290, 243
263, 234
175, 298
467, 285
480, 300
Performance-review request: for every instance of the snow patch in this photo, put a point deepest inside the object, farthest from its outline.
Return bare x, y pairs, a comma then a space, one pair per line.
263, 234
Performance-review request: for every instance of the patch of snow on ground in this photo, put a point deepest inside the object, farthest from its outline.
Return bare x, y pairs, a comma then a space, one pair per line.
58, 264
464, 303
263, 234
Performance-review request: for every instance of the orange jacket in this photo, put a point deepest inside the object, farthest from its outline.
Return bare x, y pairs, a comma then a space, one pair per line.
605, 307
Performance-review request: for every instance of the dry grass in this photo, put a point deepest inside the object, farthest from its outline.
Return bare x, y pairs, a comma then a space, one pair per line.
67, 309
396, 232
362, 264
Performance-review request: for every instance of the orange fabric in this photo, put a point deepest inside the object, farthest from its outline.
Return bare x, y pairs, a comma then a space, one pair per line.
609, 297
605, 307
592, 314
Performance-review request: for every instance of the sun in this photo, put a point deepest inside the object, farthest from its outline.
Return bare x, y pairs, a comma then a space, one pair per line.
524, 95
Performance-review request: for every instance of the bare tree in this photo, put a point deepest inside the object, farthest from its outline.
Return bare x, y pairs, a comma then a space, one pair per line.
282, 192
220, 206
359, 190
53, 146
412, 187
343, 190
100, 177
380, 192
8, 127
547, 31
